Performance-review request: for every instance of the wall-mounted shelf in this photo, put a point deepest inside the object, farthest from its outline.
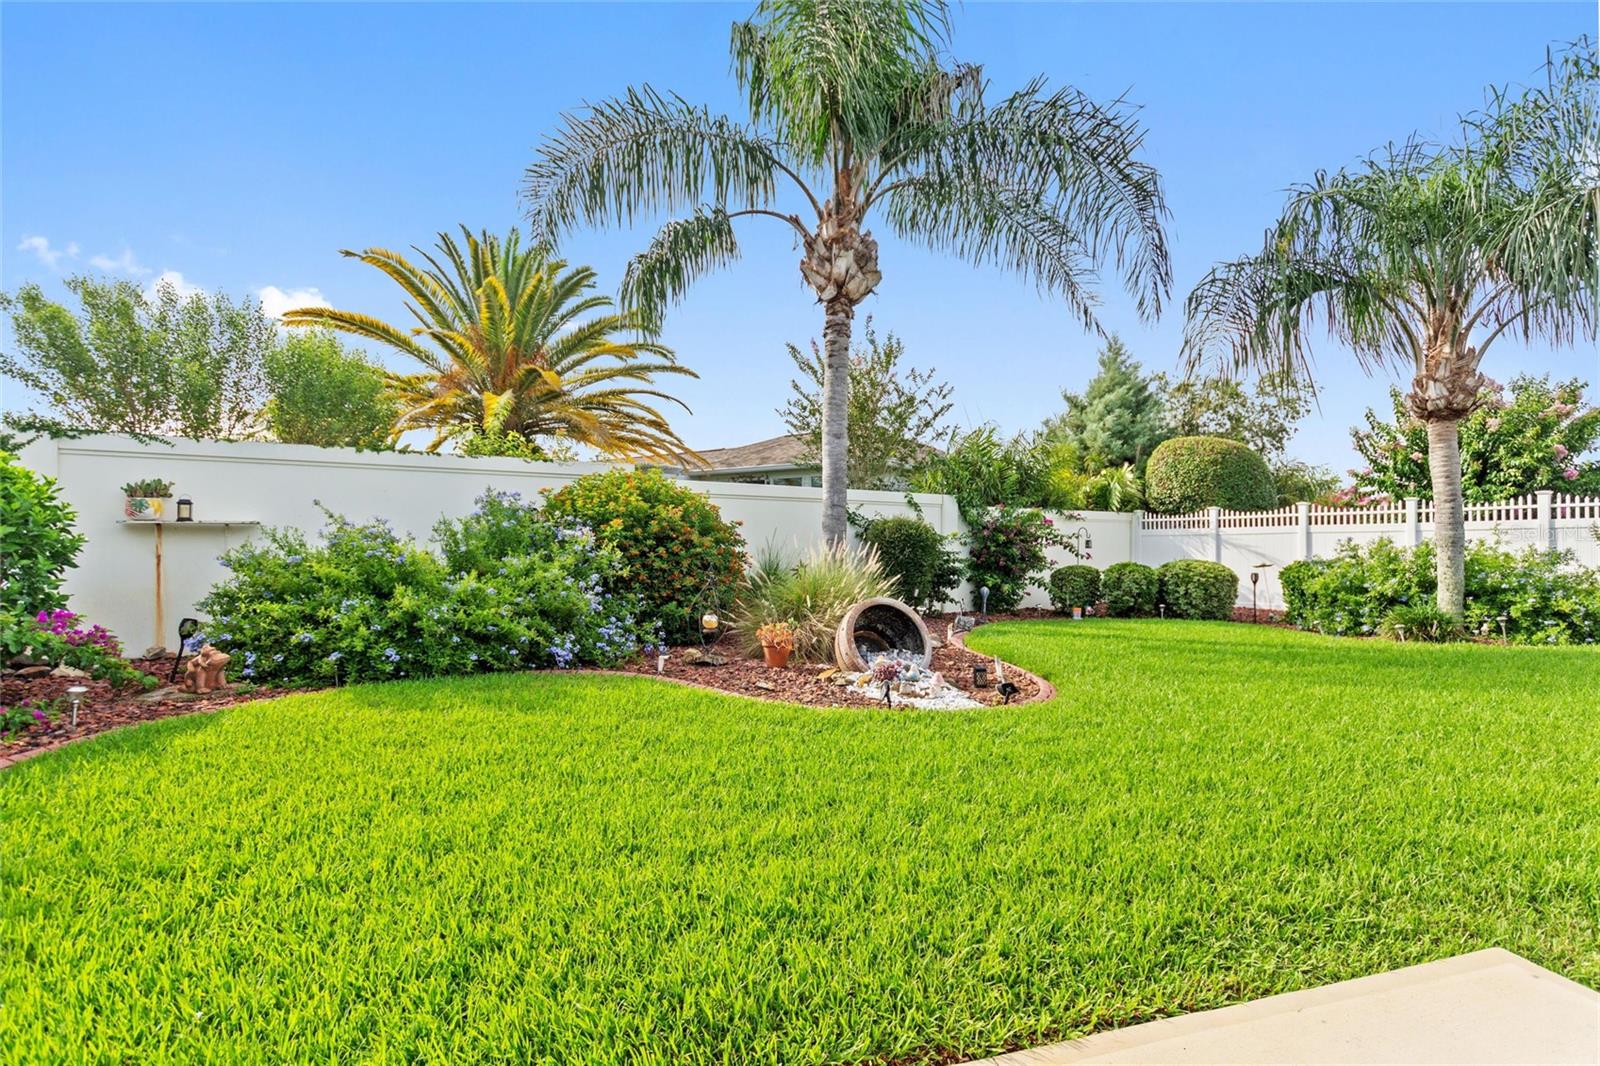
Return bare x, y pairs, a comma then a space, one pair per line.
196, 522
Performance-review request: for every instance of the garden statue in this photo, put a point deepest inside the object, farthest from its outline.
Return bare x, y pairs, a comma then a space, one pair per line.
204, 672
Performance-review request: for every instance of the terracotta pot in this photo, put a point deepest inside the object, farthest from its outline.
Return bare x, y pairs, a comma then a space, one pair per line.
776, 657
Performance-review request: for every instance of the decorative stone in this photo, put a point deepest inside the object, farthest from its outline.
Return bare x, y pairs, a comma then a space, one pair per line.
701, 657
28, 672
68, 671
156, 651
204, 673
880, 626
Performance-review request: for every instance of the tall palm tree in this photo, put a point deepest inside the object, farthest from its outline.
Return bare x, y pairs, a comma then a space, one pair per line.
511, 342
1424, 257
852, 109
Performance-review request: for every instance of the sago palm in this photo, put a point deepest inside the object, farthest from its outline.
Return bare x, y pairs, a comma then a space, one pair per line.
515, 341
853, 111
1422, 259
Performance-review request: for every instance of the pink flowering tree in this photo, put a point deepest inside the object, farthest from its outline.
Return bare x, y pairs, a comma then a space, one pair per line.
1523, 437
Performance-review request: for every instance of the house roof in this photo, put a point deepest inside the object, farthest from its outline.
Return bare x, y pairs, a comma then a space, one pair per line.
785, 451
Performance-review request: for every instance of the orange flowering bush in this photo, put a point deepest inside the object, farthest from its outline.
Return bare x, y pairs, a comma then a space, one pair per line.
679, 556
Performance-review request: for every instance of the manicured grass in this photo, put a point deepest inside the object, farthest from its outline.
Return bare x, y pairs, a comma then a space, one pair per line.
598, 869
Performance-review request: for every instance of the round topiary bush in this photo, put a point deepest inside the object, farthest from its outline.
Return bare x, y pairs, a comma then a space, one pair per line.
1192, 473
916, 557
1198, 588
678, 554
1074, 586
1129, 589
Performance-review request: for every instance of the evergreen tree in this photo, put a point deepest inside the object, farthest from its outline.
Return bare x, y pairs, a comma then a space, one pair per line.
1118, 419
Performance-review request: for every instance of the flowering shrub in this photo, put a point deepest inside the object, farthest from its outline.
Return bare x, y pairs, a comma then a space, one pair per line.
1007, 552
37, 542
676, 552
511, 591
1130, 589
1197, 588
94, 652
29, 714
779, 635
1534, 438
65, 624
1544, 597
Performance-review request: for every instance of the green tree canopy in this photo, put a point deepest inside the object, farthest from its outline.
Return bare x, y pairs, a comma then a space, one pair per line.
1118, 419
147, 364
325, 394
1263, 416
894, 419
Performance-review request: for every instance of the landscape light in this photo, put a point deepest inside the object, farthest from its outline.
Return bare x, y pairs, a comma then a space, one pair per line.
980, 676
76, 693
984, 594
185, 510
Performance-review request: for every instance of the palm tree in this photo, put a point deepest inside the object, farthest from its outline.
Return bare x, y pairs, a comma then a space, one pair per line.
1424, 257
851, 109
512, 343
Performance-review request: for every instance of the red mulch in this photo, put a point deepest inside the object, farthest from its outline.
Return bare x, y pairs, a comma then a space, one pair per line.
103, 708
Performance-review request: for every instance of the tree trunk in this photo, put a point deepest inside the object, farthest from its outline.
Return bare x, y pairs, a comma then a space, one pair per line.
836, 419
1449, 523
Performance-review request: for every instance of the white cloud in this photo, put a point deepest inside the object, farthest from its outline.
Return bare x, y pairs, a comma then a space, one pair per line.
50, 257
175, 281
122, 264
275, 301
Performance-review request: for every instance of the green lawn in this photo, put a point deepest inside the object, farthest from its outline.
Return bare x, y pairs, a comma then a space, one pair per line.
595, 869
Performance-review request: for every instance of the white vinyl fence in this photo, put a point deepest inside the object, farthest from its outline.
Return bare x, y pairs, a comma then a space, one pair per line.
139, 578
1266, 540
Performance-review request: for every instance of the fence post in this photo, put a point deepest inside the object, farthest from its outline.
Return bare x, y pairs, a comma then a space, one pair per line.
1135, 535
1303, 514
1413, 521
1216, 534
1545, 531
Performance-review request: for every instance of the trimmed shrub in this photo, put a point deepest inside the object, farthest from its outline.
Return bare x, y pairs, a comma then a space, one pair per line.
812, 597
1129, 589
677, 553
916, 557
37, 542
1192, 473
514, 591
1074, 586
1198, 588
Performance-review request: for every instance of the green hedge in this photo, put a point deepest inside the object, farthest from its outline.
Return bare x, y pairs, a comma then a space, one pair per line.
1197, 588
1192, 473
1129, 589
1074, 586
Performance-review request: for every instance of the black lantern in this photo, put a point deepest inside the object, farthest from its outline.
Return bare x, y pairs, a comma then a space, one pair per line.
185, 509
980, 676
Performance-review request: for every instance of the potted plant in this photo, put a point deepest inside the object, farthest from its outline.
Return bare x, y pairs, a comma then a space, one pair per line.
145, 501
777, 643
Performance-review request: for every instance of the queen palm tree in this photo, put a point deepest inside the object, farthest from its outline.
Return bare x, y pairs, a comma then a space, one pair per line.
852, 110
1422, 258
512, 343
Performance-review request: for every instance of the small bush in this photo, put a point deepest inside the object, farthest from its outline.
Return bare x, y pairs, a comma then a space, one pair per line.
917, 558
1007, 551
1423, 623
1191, 473
54, 639
677, 553
37, 542
812, 597
1130, 590
1545, 597
1198, 588
1074, 586
513, 591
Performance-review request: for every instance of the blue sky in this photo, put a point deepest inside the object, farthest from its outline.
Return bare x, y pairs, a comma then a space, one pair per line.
241, 146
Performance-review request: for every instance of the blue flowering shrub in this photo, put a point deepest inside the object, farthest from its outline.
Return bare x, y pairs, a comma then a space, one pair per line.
1545, 597
507, 590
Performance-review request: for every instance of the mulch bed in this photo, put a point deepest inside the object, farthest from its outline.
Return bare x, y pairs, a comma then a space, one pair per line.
103, 708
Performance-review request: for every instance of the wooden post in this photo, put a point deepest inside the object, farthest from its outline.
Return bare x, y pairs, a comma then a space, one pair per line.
161, 621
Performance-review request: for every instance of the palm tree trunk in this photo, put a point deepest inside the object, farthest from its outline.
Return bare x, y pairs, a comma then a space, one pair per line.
1449, 522
836, 419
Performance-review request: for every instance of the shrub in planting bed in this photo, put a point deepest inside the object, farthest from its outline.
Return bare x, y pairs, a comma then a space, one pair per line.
1072, 586
1198, 588
1129, 589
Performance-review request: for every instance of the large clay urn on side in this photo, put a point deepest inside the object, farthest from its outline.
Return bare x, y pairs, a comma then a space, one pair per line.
880, 625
